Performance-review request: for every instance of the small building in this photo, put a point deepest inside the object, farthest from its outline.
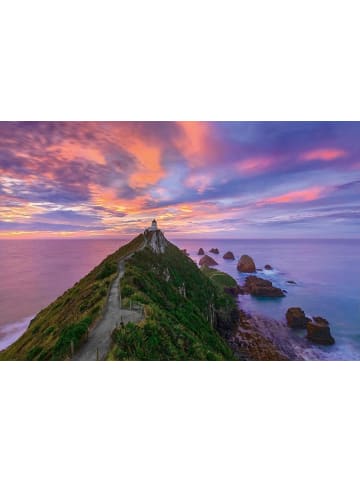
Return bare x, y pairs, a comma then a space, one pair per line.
153, 226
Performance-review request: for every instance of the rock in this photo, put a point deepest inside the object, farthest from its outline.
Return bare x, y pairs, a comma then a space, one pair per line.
201, 252
246, 264
214, 251
185, 252
207, 261
261, 287
229, 255
290, 282
268, 266
233, 290
318, 331
296, 318
156, 241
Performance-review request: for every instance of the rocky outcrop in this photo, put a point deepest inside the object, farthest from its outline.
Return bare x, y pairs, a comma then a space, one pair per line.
246, 264
261, 287
234, 290
318, 331
249, 342
207, 261
229, 255
185, 252
290, 282
214, 251
201, 252
268, 267
156, 241
296, 318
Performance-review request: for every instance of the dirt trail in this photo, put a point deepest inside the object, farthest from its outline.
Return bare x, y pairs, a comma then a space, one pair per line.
99, 341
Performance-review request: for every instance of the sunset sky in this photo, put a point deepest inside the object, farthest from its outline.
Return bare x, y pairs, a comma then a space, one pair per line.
198, 179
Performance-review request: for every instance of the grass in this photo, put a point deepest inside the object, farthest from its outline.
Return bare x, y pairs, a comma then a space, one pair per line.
219, 278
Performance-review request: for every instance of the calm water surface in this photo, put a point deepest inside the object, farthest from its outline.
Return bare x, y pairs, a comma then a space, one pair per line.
326, 272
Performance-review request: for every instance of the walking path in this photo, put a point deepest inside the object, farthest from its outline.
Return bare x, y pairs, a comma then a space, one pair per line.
99, 341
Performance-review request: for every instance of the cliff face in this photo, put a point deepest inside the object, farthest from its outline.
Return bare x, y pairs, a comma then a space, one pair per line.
180, 306
156, 241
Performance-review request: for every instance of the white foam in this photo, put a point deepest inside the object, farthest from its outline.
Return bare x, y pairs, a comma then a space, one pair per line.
12, 331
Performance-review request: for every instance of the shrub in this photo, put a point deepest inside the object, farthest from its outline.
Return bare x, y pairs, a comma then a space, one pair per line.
107, 270
71, 333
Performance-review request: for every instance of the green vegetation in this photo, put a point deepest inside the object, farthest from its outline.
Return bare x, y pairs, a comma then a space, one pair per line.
181, 305
219, 278
67, 319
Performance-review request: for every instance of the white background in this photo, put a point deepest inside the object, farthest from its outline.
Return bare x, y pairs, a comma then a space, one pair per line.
179, 60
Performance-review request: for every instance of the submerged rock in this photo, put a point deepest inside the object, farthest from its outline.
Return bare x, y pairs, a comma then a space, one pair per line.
201, 252
318, 331
261, 287
290, 282
246, 264
214, 250
229, 255
207, 261
296, 318
268, 266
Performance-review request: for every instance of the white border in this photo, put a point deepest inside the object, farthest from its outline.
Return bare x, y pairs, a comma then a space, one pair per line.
188, 60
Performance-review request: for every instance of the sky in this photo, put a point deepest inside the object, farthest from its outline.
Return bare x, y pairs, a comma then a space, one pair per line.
198, 179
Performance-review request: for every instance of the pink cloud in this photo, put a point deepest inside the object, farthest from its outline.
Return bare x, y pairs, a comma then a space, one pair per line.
296, 196
323, 154
253, 165
199, 182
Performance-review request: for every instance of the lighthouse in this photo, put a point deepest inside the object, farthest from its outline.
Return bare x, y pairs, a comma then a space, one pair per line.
153, 226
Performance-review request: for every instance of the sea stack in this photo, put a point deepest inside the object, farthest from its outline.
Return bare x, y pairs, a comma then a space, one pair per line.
214, 251
261, 287
207, 261
229, 255
201, 252
296, 318
246, 264
318, 331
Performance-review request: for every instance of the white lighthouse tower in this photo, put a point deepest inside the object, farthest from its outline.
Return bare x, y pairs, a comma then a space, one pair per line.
153, 226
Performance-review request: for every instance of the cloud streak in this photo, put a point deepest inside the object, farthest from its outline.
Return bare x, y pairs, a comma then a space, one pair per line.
198, 178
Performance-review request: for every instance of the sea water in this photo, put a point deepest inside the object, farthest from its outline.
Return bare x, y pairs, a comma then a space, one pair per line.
326, 273
327, 277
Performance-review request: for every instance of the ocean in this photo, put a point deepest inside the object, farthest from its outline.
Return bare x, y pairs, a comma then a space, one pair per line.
326, 273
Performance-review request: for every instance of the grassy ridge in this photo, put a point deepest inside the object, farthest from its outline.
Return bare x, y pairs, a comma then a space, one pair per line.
180, 303
219, 278
65, 322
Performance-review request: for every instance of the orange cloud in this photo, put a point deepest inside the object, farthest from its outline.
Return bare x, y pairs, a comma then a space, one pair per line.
323, 155
148, 168
195, 142
296, 196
